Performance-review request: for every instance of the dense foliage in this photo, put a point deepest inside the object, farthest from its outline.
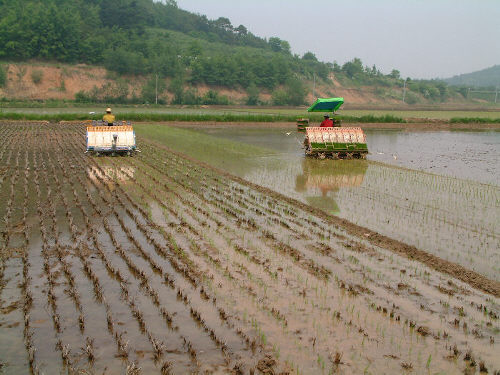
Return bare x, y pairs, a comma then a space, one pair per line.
152, 38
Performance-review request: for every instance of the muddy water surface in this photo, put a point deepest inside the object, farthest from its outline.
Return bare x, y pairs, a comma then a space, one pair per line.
444, 199
158, 264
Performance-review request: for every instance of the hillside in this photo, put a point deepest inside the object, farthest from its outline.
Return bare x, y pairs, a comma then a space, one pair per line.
142, 51
67, 82
489, 77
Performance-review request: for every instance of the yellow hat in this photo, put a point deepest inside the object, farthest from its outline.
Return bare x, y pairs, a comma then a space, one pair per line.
108, 109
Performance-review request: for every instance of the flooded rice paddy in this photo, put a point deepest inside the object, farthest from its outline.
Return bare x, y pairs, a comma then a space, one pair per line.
453, 215
160, 264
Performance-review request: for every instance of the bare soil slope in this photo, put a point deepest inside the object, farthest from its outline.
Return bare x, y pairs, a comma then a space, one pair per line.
64, 81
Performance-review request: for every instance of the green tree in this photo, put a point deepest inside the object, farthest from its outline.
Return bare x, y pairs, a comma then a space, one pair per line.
253, 95
176, 87
309, 56
195, 49
278, 45
242, 30
279, 97
395, 74
351, 68
296, 91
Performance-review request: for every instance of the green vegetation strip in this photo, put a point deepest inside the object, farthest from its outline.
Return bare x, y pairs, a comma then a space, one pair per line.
192, 117
474, 120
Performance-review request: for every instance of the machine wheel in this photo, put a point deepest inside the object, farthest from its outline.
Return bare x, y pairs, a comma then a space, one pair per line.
321, 155
349, 155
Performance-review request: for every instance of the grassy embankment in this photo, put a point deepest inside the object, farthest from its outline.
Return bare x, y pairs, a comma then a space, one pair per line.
192, 117
240, 114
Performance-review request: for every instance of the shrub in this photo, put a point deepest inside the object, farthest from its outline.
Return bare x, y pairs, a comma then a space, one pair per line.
191, 97
280, 97
37, 76
213, 97
253, 95
411, 98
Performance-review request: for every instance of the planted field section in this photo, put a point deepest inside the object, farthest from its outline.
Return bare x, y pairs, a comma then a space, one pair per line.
157, 264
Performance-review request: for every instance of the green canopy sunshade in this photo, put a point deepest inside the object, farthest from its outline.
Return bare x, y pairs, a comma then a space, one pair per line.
326, 105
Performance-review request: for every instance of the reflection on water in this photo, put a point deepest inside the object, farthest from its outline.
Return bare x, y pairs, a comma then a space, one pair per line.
111, 174
319, 177
454, 218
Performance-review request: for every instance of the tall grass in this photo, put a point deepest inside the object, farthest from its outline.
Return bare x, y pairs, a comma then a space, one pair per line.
474, 120
224, 117
194, 117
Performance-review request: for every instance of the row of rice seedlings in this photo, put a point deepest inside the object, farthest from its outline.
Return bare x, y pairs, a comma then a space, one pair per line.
204, 175
25, 285
88, 348
154, 294
162, 186
9, 205
203, 293
51, 297
123, 348
72, 290
157, 345
315, 269
238, 199
272, 311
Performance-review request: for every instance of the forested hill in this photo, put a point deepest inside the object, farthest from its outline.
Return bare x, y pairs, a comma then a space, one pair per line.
161, 44
489, 77
82, 30
129, 36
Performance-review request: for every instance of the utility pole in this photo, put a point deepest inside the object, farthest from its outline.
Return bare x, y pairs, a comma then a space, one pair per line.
496, 94
404, 90
156, 88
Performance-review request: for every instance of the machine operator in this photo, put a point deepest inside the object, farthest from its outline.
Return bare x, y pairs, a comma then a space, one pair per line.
327, 122
108, 118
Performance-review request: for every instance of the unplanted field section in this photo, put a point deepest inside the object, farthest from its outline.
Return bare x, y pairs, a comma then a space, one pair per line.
156, 264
